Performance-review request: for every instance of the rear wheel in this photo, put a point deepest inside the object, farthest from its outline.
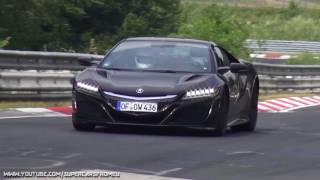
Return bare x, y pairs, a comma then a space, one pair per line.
80, 126
221, 118
252, 114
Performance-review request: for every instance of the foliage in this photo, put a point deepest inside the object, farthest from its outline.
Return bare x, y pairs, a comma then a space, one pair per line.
295, 28
293, 9
4, 42
92, 47
305, 59
218, 25
95, 25
69, 25
231, 25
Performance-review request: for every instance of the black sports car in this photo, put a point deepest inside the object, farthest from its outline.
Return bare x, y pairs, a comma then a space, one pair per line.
167, 82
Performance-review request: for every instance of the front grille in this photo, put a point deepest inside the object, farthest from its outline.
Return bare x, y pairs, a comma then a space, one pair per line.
137, 98
90, 108
137, 117
191, 114
170, 112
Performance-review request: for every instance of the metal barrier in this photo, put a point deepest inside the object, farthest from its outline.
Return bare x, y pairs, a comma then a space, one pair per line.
287, 70
260, 46
35, 84
30, 60
279, 77
48, 75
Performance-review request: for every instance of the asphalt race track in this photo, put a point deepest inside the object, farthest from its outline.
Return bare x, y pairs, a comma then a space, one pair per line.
285, 146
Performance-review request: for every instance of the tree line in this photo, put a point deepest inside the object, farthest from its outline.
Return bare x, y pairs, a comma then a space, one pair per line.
82, 25
93, 26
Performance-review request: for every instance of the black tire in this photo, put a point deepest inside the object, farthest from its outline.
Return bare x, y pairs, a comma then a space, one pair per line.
252, 114
221, 118
80, 126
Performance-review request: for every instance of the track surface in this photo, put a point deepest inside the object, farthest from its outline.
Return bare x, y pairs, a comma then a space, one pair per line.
285, 146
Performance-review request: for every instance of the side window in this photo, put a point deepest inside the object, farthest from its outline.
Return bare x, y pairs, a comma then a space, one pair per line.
218, 56
231, 58
222, 55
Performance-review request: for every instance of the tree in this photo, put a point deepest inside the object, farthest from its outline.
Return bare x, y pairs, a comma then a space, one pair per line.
141, 18
218, 25
4, 42
68, 25
292, 10
31, 24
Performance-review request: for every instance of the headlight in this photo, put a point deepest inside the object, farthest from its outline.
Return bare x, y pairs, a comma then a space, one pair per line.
87, 86
199, 93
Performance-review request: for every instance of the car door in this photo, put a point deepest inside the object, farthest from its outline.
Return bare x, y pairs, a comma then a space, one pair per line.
243, 99
232, 80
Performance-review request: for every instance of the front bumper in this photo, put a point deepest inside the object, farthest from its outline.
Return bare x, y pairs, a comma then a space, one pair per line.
101, 110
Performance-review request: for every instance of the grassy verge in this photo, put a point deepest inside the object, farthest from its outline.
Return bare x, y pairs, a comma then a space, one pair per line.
229, 23
305, 59
258, 3
23, 104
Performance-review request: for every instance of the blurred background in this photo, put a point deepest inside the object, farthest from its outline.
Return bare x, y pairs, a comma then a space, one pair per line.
277, 35
93, 26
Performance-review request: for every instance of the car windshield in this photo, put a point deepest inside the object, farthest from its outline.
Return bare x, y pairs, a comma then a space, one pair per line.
162, 56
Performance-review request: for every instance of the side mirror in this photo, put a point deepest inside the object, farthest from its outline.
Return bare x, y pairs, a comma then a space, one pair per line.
87, 61
223, 69
237, 67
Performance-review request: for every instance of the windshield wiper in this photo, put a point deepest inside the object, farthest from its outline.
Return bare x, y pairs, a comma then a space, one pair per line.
146, 70
167, 71
115, 69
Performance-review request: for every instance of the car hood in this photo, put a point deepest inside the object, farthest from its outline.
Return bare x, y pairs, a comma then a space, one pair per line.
152, 83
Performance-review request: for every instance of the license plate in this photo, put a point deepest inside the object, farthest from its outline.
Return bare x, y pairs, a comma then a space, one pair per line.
137, 106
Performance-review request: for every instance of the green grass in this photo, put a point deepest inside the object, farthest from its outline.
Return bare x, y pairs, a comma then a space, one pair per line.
305, 59
29, 104
311, 4
230, 25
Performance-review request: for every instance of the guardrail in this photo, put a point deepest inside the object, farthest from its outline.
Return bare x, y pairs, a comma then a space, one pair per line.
33, 74
298, 78
282, 46
47, 75
35, 84
30, 60
287, 70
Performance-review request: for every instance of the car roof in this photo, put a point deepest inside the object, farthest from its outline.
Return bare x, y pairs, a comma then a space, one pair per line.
170, 39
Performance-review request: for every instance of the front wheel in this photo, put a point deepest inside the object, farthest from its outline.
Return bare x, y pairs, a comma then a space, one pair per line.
80, 126
252, 115
221, 118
